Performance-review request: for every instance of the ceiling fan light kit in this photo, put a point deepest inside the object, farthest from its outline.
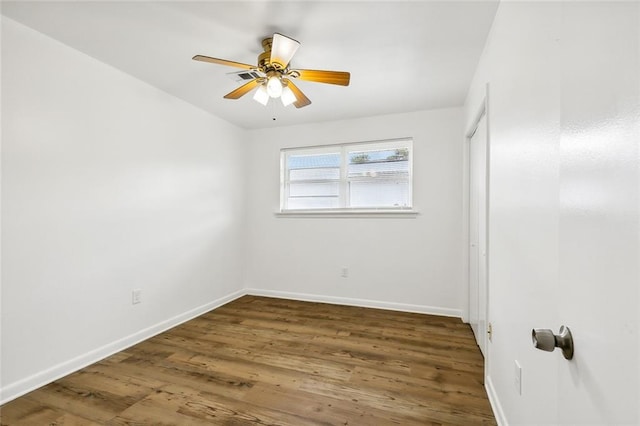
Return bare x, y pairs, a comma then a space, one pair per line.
261, 95
288, 97
274, 85
273, 75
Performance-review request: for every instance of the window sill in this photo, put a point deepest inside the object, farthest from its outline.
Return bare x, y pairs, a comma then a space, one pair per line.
408, 214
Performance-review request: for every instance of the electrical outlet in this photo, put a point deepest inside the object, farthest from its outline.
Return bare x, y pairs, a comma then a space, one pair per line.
136, 296
345, 272
518, 377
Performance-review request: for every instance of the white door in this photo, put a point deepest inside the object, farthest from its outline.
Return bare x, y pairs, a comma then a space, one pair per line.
599, 174
564, 242
478, 232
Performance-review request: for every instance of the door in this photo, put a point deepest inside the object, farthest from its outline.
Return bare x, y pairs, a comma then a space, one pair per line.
599, 174
478, 232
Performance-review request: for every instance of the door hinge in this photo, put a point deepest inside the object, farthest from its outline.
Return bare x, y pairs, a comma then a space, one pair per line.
490, 331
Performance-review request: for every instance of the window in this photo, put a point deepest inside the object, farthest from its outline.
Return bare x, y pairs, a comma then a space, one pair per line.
356, 176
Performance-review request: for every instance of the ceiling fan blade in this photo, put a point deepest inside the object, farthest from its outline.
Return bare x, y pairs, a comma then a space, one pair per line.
319, 76
202, 58
301, 99
243, 90
282, 50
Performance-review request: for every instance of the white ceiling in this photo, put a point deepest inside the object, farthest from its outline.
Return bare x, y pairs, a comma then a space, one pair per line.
403, 56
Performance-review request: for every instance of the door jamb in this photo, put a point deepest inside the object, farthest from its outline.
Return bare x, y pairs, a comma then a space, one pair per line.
481, 110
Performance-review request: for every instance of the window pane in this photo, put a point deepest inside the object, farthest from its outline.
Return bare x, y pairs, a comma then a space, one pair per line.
379, 193
382, 163
313, 161
294, 203
314, 174
313, 189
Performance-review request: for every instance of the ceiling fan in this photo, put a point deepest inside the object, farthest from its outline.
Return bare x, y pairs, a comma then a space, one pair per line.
272, 76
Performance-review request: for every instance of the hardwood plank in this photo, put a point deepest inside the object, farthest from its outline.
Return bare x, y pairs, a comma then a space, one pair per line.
332, 410
27, 411
185, 406
273, 361
71, 420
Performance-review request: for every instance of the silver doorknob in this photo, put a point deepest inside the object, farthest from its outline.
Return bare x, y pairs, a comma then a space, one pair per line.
545, 340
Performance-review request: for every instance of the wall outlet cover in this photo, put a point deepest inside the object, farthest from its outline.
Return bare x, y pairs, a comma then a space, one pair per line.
518, 377
136, 296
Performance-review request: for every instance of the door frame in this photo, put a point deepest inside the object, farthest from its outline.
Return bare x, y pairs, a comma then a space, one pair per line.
482, 110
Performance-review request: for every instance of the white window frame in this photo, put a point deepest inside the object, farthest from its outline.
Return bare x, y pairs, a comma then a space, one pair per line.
343, 210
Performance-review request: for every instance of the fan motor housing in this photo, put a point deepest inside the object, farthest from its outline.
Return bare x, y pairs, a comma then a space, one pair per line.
264, 59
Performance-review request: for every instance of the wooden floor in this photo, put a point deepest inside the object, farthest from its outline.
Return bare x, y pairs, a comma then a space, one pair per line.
271, 361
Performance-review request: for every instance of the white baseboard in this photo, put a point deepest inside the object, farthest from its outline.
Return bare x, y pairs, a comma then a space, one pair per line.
26, 385
363, 303
495, 402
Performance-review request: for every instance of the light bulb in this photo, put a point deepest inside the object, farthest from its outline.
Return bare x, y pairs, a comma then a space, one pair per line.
274, 86
261, 95
287, 96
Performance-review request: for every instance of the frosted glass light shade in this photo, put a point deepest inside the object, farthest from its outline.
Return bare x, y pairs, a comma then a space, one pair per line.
261, 95
283, 50
287, 96
274, 87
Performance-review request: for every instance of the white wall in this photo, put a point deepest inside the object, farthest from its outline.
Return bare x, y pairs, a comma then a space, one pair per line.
108, 185
398, 263
564, 102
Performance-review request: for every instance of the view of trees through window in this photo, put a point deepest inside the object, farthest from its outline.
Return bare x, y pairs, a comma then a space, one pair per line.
365, 157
